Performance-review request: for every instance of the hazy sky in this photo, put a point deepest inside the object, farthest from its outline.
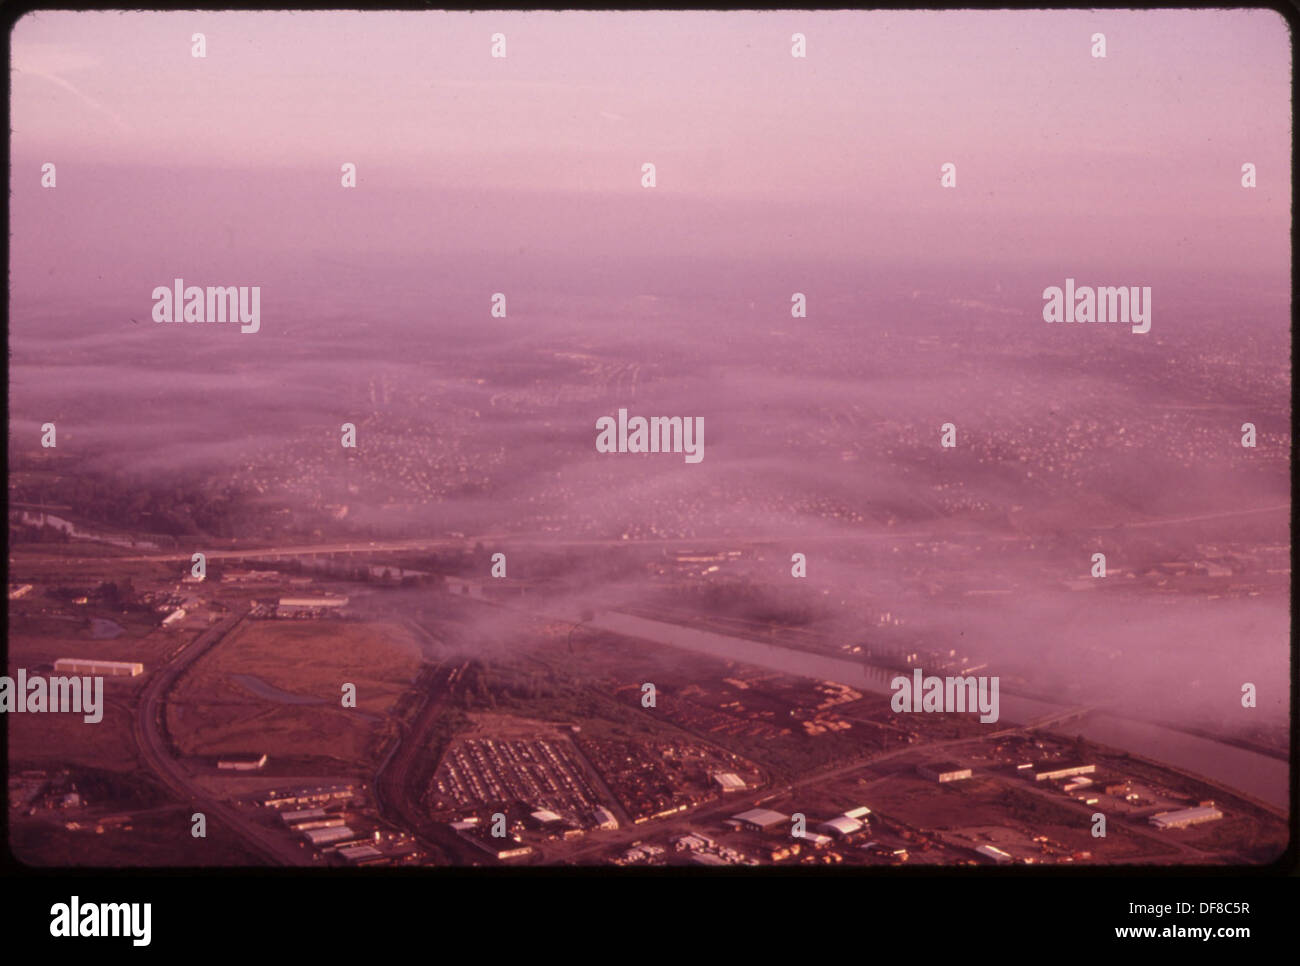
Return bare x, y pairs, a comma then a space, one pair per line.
1136, 156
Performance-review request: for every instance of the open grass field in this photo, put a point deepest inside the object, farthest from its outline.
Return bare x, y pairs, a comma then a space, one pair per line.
36, 640
41, 740
276, 687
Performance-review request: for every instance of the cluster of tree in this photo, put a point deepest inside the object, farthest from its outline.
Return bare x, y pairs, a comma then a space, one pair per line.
114, 594
485, 684
183, 507
25, 533
121, 596
65, 594
118, 789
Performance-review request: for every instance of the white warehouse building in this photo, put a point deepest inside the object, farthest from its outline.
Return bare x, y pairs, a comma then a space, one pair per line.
109, 669
313, 602
1185, 817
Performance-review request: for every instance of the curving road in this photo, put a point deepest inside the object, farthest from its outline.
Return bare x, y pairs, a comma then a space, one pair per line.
156, 754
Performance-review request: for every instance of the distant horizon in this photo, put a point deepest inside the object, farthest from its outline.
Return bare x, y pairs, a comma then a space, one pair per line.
758, 154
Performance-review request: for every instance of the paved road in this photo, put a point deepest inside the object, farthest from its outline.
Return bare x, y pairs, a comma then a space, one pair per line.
156, 754
215, 550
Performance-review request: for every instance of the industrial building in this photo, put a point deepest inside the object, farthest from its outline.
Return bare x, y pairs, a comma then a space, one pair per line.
108, 669
840, 826
324, 836
313, 602
994, 853
729, 781
944, 771
603, 818
544, 817
330, 821
310, 818
692, 842
1052, 769
242, 762
307, 796
295, 606
1185, 817
759, 819
362, 855
500, 849
292, 818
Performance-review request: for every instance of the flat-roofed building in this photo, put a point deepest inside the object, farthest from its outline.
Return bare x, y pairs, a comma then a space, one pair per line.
242, 762
329, 821
313, 601
994, 853
728, 781
603, 818
501, 849
692, 842
361, 854
1052, 769
1185, 817
295, 606
108, 669
759, 819
944, 771
324, 836
302, 815
282, 798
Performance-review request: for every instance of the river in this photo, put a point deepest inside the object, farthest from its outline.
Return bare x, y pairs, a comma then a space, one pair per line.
1257, 775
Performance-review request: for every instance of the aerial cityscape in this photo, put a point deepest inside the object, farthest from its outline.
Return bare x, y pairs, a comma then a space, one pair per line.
648, 454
